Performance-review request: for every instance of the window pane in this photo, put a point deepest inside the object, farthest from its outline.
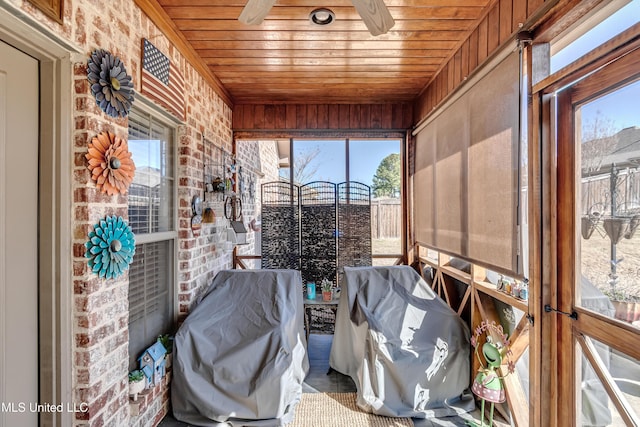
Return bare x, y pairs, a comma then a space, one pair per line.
377, 164
150, 296
151, 203
319, 161
595, 36
610, 204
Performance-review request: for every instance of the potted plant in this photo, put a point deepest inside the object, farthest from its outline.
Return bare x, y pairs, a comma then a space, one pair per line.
137, 383
167, 342
327, 290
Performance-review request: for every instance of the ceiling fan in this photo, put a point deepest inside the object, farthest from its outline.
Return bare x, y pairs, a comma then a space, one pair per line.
374, 13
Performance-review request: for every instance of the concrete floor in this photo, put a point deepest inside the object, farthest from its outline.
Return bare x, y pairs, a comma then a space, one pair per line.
320, 381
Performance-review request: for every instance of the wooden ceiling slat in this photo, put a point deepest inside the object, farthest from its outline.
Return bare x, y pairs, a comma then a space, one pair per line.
325, 97
294, 63
329, 97
321, 36
314, 3
322, 44
432, 56
334, 90
286, 81
284, 12
292, 75
331, 69
304, 25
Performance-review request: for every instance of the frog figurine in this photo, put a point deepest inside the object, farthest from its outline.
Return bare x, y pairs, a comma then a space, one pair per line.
487, 384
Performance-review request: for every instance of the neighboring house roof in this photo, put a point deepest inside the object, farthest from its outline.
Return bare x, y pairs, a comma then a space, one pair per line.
147, 176
622, 149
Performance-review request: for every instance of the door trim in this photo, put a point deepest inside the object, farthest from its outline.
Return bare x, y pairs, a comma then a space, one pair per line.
3, 320
55, 203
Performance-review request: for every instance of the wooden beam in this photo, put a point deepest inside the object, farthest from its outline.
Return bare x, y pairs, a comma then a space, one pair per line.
464, 301
519, 339
490, 289
624, 337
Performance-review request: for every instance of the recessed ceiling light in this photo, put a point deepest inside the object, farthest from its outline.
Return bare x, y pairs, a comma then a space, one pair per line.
322, 16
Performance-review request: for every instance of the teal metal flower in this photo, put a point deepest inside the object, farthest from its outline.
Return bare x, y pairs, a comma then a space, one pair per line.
110, 84
111, 247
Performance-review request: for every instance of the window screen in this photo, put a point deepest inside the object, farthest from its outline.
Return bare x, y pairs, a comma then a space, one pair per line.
466, 171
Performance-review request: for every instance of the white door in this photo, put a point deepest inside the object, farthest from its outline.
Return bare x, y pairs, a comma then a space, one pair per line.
19, 113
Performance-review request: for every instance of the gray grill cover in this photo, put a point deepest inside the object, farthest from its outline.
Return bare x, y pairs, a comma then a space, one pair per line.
405, 349
239, 357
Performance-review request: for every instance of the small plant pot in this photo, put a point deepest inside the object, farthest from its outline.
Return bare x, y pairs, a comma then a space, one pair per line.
327, 295
135, 388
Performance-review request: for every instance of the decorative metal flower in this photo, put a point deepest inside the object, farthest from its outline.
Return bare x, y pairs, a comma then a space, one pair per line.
110, 163
111, 247
110, 84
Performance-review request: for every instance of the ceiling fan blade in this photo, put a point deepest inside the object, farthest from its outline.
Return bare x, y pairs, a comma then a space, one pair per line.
375, 15
255, 11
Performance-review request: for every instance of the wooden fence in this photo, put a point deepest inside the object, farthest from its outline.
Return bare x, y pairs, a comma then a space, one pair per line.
386, 218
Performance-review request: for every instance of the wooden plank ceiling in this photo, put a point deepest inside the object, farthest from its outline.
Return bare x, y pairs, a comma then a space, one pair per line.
287, 59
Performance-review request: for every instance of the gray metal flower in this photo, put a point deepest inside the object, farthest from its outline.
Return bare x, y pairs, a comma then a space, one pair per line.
110, 84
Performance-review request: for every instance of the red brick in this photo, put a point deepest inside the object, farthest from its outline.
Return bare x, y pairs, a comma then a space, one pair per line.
80, 195
78, 248
81, 303
79, 268
82, 340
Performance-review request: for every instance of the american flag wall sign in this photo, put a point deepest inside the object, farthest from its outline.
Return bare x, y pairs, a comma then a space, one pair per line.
161, 80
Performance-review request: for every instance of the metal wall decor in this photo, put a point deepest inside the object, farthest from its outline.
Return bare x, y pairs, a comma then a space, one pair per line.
110, 163
196, 218
110, 247
110, 84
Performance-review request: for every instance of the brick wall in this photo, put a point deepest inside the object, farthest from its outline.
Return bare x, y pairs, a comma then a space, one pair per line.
259, 161
100, 317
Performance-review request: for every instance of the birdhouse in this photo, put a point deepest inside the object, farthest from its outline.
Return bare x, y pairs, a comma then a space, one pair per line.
237, 233
148, 374
152, 359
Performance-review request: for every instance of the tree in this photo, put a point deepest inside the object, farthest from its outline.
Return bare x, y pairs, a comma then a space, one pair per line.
599, 140
304, 167
386, 181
